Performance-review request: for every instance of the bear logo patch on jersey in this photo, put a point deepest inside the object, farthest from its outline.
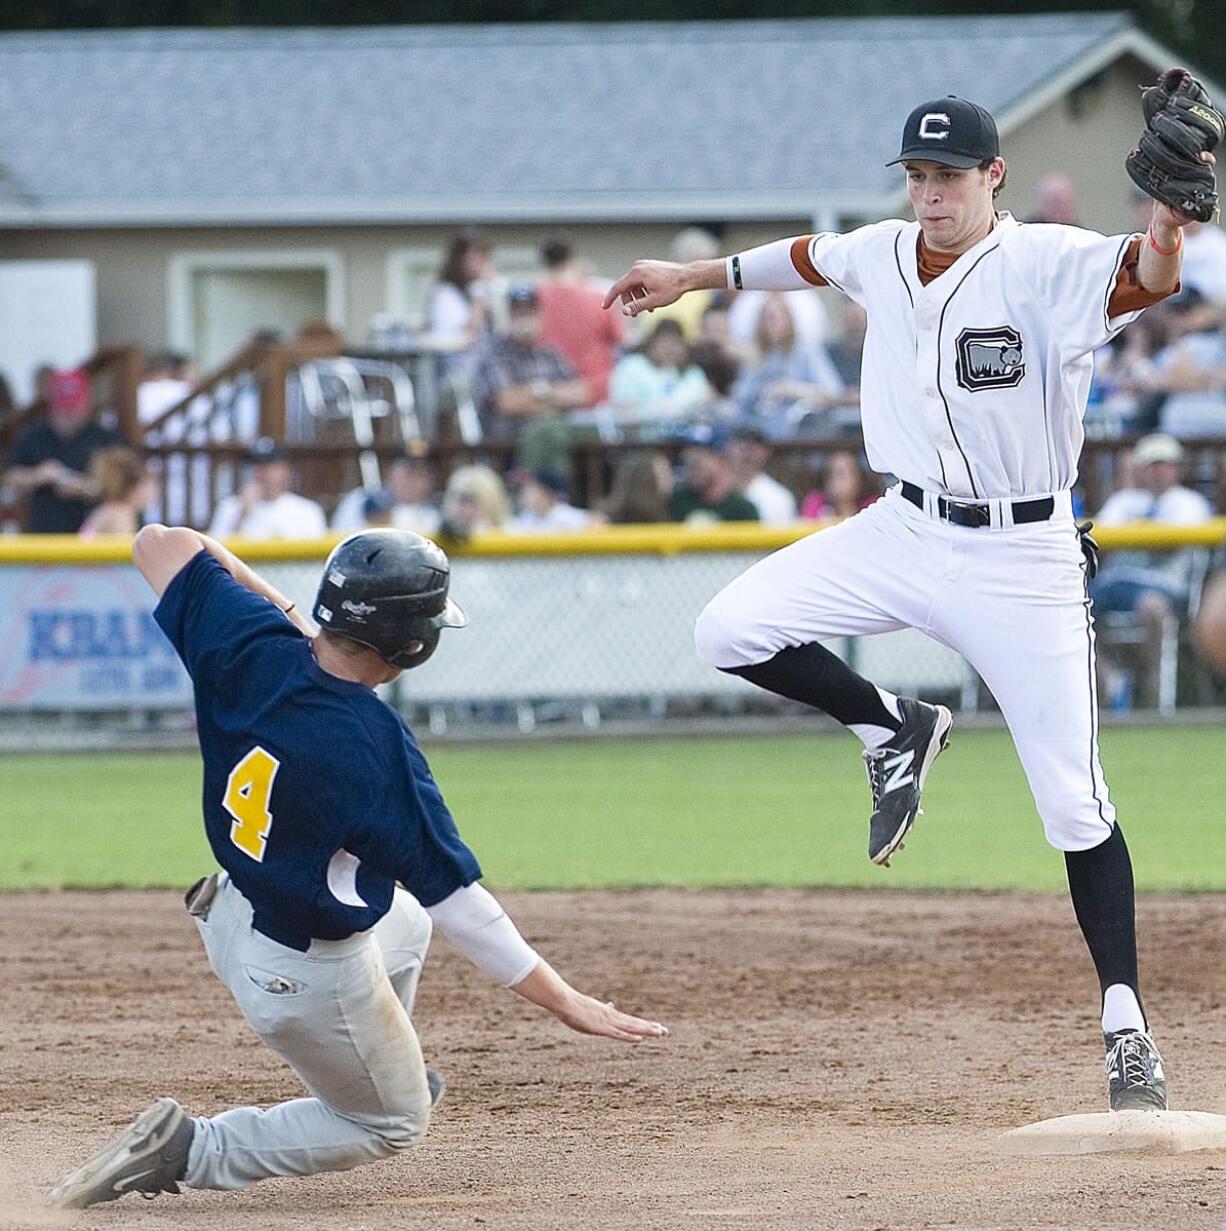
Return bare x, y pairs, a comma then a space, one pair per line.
990, 358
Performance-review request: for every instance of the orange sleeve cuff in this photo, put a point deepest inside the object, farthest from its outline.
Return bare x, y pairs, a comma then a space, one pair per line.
804, 266
1128, 295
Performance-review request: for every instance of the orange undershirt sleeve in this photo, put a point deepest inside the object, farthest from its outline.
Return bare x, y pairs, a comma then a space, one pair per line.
1128, 295
804, 266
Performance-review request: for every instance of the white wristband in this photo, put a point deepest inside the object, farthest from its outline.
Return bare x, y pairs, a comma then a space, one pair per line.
768, 268
476, 924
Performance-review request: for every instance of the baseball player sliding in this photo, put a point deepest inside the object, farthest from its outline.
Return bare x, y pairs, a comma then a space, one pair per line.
976, 370
319, 805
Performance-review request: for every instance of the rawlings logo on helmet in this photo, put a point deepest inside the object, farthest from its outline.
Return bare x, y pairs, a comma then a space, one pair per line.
358, 610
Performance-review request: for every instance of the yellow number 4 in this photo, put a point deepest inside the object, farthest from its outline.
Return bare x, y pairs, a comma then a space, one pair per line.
248, 790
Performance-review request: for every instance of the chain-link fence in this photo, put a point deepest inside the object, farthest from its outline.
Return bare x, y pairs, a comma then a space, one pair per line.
610, 630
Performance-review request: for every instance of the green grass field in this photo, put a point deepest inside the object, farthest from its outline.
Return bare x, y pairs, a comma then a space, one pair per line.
787, 811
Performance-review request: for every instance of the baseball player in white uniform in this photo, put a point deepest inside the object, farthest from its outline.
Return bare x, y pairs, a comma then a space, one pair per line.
976, 370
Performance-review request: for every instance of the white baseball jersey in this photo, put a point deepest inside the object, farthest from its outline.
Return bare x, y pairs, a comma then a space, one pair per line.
974, 385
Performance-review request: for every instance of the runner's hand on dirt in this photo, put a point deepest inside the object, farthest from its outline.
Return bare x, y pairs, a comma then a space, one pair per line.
587, 1015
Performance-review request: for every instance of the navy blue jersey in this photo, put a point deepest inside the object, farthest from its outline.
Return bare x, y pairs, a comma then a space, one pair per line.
317, 798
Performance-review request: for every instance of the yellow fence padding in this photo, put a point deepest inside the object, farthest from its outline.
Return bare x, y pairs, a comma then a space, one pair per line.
661, 540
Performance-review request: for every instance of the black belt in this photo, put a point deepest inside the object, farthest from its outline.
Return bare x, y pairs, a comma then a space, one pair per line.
961, 513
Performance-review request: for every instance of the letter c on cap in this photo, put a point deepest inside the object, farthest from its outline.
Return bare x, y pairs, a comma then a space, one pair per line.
926, 129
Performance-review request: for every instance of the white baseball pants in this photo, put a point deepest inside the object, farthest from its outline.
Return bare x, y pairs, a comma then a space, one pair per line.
339, 1016
1010, 599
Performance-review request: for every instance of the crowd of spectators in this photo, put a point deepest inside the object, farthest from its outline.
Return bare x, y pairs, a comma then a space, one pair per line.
725, 407
553, 365
697, 397
1167, 372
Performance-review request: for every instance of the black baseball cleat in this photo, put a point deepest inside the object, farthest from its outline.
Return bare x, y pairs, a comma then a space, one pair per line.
897, 771
148, 1157
1134, 1072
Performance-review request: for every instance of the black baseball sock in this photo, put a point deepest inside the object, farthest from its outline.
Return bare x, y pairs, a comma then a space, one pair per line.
813, 675
1100, 882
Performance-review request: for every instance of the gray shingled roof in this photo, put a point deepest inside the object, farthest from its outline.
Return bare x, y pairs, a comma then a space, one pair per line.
762, 118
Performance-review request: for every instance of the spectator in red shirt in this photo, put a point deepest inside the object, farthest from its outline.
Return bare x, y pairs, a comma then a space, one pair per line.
572, 320
50, 460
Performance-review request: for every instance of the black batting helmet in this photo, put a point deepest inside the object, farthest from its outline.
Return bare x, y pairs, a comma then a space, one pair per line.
387, 589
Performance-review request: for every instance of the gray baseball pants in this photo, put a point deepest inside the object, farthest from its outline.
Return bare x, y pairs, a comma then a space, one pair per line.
339, 1016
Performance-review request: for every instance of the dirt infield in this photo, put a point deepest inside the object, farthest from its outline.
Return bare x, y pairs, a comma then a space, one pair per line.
838, 1060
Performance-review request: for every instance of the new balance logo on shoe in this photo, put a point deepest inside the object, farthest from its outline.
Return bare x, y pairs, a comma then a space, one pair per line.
896, 774
896, 768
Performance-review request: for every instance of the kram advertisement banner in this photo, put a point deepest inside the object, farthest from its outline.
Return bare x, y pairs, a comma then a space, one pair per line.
83, 637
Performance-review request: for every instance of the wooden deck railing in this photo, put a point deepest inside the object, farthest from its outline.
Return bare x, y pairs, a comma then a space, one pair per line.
269, 364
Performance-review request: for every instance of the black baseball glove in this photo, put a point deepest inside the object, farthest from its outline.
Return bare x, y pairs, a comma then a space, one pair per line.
1181, 123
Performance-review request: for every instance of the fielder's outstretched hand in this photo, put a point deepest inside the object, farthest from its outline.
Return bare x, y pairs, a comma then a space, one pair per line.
585, 1014
647, 285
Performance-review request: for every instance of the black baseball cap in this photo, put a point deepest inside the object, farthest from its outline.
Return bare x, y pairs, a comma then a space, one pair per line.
951, 131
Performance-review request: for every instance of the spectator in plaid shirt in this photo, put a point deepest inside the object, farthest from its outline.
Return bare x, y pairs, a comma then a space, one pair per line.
523, 389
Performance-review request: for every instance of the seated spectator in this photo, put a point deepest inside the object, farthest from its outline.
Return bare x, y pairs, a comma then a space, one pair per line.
641, 489
523, 388
714, 326
544, 505
1191, 371
748, 453
1150, 584
714, 335
411, 488
846, 488
50, 460
1124, 392
812, 321
659, 384
377, 508
720, 365
708, 491
475, 499
166, 381
574, 323
265, 507
785, 382
125, 487
846, 348
1204, 260
458, 312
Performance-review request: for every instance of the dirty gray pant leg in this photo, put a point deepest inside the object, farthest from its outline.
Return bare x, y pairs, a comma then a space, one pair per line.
339, 1016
